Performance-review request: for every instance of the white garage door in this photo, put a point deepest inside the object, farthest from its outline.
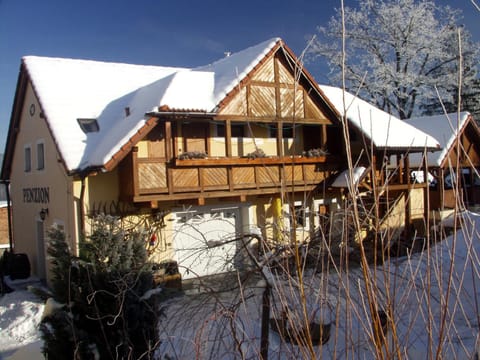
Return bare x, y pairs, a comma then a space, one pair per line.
204, 241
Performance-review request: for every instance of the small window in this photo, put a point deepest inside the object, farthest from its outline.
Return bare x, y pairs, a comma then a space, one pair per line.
28, 158
40, 156
301, 216
88, 125
287, 131
238, 130
220, 130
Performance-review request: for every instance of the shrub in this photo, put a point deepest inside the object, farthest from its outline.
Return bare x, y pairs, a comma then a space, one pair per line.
101, 309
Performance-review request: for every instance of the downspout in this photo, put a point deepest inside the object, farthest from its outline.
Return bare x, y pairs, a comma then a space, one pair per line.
82, 211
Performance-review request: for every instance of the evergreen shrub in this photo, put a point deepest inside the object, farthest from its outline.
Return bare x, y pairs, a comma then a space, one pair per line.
102, 308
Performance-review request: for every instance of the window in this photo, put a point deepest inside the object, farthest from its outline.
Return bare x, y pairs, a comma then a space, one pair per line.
238, 130
40, 156
88, 125
28, 158
301, 214
287, 131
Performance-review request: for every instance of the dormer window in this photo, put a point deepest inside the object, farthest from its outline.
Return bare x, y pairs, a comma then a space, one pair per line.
88, 125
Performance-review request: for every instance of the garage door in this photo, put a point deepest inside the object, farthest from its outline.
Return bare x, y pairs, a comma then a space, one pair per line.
204, 241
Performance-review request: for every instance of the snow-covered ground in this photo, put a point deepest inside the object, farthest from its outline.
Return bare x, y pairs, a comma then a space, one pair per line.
20, 314
434, 296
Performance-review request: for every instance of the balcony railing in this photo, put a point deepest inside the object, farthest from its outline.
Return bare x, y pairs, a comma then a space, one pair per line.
156, 179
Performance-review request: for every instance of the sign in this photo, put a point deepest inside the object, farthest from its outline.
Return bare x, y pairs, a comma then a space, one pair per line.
36, 195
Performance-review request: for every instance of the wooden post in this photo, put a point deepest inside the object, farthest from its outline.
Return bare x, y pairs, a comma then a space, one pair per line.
264, 343
441, 187
169, 153
426, 195
323, 142
136, 189
228, 138
400, 168
280, 138
408, 210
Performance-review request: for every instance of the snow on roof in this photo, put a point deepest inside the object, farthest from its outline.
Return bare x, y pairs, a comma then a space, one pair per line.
69, 89
231, 69
343, 179
383, 129
445, 128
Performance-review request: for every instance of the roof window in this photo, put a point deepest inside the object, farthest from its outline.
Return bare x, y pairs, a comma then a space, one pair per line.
88, 125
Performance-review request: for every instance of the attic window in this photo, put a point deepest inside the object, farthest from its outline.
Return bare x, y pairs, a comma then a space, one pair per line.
88, 125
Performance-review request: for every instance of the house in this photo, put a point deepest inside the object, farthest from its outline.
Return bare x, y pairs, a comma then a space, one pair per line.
381, 147
459, 136
197, 156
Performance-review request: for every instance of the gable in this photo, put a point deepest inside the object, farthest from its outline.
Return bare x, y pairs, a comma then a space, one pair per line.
465, 149
271, 93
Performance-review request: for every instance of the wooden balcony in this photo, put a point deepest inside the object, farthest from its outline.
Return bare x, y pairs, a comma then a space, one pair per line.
155, 179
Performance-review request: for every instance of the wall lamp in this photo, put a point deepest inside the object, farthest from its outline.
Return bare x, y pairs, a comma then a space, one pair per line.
43, 213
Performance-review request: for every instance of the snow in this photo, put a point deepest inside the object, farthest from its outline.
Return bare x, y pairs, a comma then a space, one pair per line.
382, 129
69, 89
342, 180
20, 315
418, 285
445, 128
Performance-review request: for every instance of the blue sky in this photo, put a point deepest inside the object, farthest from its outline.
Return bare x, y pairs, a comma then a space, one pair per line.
155, 32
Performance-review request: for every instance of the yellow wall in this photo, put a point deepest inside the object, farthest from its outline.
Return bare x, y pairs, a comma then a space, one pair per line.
256, 136
416, 203
52, 180
101, 192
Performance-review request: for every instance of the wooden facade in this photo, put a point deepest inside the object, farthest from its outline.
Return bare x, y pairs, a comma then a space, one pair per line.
462, 161
258, 142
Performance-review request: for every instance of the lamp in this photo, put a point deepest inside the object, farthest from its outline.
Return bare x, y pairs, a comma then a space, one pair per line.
43, 213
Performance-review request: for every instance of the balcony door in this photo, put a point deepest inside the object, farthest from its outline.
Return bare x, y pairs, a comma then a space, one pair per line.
195, 136
156, 143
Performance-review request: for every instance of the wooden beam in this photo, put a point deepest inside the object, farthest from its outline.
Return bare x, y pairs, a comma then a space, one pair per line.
237, 161
222, 194
426, 195
324, 138
228, 138
136, 187
168, 140
408, 202
279, 139
272, 119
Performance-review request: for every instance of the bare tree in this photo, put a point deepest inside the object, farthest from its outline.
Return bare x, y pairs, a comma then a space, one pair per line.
397, 52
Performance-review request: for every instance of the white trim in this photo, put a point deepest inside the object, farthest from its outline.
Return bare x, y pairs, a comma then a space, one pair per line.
29, 147
42, 142
306, 214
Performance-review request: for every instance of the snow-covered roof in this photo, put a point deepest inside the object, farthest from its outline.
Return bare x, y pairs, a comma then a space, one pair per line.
445, 128
384, 130
343, 179
70, 89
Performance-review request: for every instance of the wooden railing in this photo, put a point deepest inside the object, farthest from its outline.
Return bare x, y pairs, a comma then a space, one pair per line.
157, 179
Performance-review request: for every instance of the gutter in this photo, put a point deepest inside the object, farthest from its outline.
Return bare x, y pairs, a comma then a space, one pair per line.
158, 114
